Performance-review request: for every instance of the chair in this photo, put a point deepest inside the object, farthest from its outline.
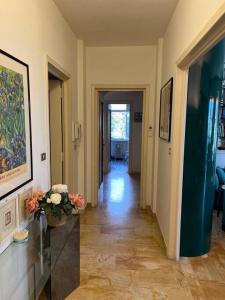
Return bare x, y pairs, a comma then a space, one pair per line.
220, 194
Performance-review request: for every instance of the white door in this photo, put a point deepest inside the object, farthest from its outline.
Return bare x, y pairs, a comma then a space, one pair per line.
56, 130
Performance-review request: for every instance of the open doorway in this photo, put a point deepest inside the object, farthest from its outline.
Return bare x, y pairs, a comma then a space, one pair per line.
120, 143
58, 114
56, 130
119, 135
203, 179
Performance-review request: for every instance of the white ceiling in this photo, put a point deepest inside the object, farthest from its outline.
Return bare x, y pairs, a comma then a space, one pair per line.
117, 22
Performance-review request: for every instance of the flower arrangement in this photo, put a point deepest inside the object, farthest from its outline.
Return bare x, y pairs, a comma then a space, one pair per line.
57, 202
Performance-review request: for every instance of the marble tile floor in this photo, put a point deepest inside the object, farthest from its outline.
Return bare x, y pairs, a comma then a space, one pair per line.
123, 254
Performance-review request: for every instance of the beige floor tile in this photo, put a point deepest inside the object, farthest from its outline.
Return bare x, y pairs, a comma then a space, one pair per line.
123, 256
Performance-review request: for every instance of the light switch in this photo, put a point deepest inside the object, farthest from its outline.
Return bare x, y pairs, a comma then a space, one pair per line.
150, 131
43, 156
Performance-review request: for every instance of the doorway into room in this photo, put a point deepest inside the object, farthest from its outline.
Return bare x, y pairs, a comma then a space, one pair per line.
120, 143
119, 135
59, 116
56, 129
203, 194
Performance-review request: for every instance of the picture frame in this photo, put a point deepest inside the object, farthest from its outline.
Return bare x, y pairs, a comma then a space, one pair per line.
23, 216
165, 117
16, 168
8, 218
138, 117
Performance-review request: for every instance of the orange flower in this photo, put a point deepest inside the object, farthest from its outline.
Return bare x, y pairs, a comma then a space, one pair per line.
38, 194
76, 200
31, 205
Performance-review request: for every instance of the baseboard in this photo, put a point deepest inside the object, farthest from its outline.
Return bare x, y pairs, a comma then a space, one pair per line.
161, 234
148, 207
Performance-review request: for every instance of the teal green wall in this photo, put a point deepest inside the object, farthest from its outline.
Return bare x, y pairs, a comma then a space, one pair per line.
205, 81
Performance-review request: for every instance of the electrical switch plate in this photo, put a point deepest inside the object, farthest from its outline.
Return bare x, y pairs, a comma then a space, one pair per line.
43, 156
150, 131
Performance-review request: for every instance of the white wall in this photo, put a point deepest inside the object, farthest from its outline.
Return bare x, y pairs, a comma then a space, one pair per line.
157, 112
80, 145
190, 17
29, 30
119, 66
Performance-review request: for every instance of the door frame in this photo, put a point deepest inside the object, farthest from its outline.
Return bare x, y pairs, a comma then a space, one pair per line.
101, 143
110, 134
95, 138
51, 66
131, 140
212, 33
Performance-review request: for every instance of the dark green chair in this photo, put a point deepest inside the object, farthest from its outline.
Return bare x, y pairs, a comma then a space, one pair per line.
220, 194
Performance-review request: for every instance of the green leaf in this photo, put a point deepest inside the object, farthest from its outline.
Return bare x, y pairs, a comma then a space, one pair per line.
56, 211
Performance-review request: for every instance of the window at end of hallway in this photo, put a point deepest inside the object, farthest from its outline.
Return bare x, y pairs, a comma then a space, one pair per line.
120, 121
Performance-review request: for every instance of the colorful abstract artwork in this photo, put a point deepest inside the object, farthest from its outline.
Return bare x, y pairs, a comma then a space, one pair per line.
12, 120
15, 136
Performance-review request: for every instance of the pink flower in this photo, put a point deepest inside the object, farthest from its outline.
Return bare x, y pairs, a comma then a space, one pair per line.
76, 200
31, 205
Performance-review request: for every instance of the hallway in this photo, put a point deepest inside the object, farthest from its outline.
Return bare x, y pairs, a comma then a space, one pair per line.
115, 77
123, 255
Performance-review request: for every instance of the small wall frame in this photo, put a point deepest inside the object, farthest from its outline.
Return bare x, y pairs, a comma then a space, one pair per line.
8, 218
138, 117
165, 117
23, 216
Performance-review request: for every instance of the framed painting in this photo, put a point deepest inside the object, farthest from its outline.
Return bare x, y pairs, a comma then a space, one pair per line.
15, 125
8, 220
165, 117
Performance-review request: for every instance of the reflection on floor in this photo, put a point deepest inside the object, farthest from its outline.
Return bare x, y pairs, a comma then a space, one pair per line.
123, 255
120, 190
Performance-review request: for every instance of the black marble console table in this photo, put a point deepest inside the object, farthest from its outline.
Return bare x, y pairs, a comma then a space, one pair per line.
45, 267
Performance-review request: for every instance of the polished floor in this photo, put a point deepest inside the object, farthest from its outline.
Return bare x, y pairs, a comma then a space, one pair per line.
123, 254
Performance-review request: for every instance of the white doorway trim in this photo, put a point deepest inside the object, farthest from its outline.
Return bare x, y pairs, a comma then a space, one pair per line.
55, 69
95, 138
208, 37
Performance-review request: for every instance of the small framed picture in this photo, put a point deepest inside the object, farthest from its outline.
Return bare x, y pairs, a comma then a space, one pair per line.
166, 111
7, 218
21, 205
138, 117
